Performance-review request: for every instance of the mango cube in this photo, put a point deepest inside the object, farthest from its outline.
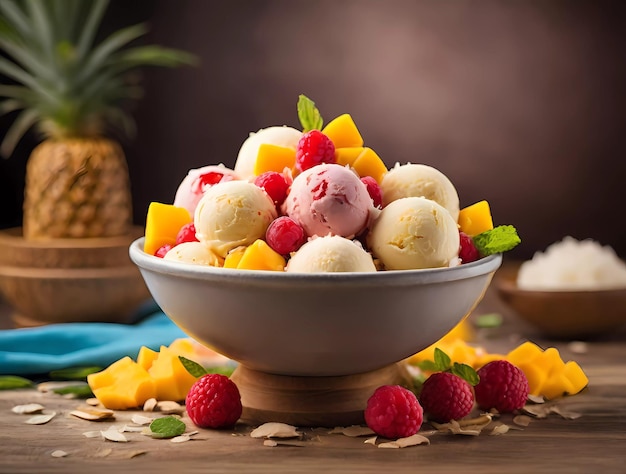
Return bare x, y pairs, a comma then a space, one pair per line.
577, 378
171, 379
274, 158
260, 256
475, 219
146, 357
343, 132
348, 155
234, 257
368, 163
163, 222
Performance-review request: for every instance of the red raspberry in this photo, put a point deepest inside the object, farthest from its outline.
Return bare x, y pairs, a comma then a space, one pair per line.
467, 250
275, 185
373, 188
446, 396
313, 149
284, 235
213, 401
162, 250
502, 386
187, 233
394, 412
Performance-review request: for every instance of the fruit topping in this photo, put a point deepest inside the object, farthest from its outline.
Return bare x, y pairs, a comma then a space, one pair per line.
285, 235
314, 148
467, 250
373, 190
187, 233
275, 185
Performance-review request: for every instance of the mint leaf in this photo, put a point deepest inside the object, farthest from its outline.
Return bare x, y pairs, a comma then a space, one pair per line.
497, 240
10, 382
427, 366
78, 391
309, 116
489, 320
466, 372
167, 427
442, 360
74, 373
192, 367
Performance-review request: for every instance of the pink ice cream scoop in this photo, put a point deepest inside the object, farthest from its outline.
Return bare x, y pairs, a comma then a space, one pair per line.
197, 181
329, 199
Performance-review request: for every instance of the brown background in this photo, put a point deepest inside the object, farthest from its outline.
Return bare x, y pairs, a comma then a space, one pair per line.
521, 103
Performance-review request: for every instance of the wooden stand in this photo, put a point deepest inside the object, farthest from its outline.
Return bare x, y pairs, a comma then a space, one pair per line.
311, 401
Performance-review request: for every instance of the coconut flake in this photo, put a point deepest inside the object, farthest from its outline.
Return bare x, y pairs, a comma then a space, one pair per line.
41, 419
58, 453
27, 409
270, 443
141, 420
499, 429
93, 414
522, 420
112, 434
275, 430
353, 431
169, 407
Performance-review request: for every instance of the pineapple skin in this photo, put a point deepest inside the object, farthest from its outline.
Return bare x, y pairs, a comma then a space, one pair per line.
77, 188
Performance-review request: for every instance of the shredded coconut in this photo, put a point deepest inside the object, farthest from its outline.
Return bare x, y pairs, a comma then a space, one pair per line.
573, 265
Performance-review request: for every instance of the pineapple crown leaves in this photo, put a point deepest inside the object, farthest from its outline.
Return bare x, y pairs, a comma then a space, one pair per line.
443, 363
63, 81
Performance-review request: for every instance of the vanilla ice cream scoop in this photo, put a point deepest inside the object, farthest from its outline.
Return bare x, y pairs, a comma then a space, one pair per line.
331, 254
231, 214
284, 136
329, 199
197, 181
193, 252
412, 233
415, 180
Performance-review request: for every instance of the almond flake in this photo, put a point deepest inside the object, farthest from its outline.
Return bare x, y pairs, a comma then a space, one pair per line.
141, 420
114, 435
568, 415
353, 431
522, 420
275, 430
103, 453
41, 419
150, 404
27, 409
169, 407
538, 399
538, 411
413, 440
131, 429
92, 434
93, 402
270, 442
58, 454
499, 429
371, 440
93, 414
181, 439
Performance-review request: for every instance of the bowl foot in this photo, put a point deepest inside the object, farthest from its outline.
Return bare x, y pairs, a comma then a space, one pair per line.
311, 401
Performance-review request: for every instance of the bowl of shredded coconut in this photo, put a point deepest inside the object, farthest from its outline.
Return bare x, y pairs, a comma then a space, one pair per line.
575, 289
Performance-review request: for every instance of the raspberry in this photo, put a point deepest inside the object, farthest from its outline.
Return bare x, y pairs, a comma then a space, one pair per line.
502, 386
446, 396
274, 184
162, 250
213, 401
394, 412
284, 235
313, 149
373, 188
187, 233
467, 250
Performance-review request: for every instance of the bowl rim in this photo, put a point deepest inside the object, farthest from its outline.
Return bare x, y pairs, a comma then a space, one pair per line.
145, 261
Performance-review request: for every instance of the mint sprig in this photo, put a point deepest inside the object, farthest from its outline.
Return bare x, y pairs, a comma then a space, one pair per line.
497, 240
442, 363
309, 115
192, 367
10, 382
167, 427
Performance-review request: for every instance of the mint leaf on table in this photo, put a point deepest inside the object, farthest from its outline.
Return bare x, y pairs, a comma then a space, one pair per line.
497, 240
10, 382
167, 427
74, 373
192, 367
76, 391
309, 115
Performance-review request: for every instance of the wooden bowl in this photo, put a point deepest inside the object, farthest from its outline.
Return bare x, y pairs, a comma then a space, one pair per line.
69, 280
564, 314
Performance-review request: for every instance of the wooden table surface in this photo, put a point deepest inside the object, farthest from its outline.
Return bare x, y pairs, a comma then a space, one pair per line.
593, 442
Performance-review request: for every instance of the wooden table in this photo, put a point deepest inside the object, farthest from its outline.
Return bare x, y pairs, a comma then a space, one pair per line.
595, 442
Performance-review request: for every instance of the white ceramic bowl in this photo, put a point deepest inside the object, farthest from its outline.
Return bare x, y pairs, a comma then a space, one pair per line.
314, 324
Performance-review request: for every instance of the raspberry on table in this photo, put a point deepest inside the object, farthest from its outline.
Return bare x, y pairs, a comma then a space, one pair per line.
394, 412
313, 149
214, 402
446, 396
502, 386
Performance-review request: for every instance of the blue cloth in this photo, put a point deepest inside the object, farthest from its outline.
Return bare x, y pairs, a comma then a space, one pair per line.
39, 350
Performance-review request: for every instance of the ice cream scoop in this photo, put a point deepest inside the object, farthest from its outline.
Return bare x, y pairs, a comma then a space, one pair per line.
412, 233
416, 180
197, 181
231, 214
331, 254
329, 199
279, 135
193, 252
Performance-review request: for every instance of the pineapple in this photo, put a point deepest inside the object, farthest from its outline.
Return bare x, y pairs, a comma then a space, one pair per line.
74, 92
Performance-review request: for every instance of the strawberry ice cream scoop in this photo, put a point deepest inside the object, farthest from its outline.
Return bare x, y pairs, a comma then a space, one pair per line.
329, 199
197, 181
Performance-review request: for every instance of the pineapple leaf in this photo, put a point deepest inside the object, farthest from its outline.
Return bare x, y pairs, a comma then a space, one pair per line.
17, 18
17, 73
85, 41
41, 25
23, 122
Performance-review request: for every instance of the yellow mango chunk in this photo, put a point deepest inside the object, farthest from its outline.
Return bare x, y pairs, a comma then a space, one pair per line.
122, 385
146, 357
260, 256
475, 219
274, 158
556, 385
536, 377
368, 163
170, 376
163, 222
524, 353
181, 346
577, 378
343, 132
234, 257
348, 155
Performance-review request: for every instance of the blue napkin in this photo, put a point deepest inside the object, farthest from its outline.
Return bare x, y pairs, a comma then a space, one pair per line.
39, 350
